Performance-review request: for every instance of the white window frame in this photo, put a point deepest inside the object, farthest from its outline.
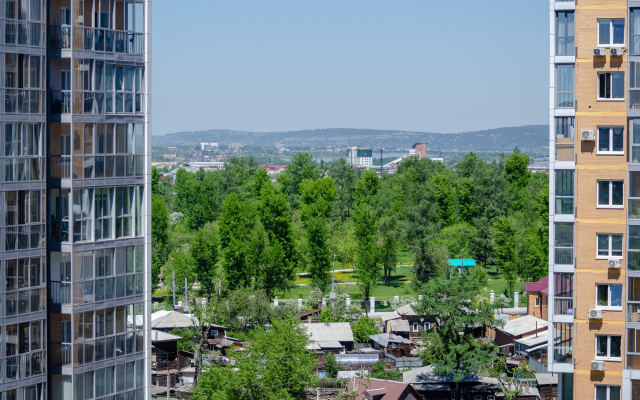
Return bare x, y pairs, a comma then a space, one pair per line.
415, 327
610, 32
427, 326
537, 302
609, 306
610, 205
610, 79
608, 357
610, 152
610, 250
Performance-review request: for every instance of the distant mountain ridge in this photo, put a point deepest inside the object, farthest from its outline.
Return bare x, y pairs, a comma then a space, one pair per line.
529, 137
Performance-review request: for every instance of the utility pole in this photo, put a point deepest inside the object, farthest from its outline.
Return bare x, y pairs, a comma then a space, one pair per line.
174, 287
186, 294
381, 162
333, 289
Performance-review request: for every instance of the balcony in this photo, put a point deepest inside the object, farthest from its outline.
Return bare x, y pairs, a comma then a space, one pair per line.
97, 39
61, 354
23, 33
565, 152
563, 306
24, 101
60, 102
634, 99
60, 292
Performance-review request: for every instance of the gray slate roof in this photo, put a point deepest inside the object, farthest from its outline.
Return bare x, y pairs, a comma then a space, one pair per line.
399, 325
383, 339
328, 333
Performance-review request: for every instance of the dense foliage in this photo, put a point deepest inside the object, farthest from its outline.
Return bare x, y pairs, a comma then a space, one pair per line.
236, 229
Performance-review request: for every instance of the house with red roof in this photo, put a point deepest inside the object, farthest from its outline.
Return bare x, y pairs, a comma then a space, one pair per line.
379, 389
538, 298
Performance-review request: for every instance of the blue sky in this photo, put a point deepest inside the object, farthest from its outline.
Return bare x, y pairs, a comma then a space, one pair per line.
436, 66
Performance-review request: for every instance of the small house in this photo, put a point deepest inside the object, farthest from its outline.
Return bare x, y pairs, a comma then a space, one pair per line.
393, 344
334, 337
538, 298
379, 389
518, 328
406, 322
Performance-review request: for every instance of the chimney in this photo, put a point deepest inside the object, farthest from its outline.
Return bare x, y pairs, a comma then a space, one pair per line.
492, 297
275, 301
372, 304
516, 299
348, 300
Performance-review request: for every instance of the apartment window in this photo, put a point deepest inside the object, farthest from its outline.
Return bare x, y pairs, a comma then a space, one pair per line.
137, 201
563, 293
103, 213
82, 215
24, 76
608, 346
83, 143
23, 219
564, 192
634, 30
23, 284
563, 243
633, 254
633, 349
610, 32
23, 152
609, 245
610, 194
607, 392
124, 89
611, 86
565, 128
633, 301
24, 344
565, 27
634, 85
634, 141
609, 296
123, 211
537, 302
564, 86
562, 343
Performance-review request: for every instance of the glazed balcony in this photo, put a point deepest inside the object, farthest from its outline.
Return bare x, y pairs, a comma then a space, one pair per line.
96, 39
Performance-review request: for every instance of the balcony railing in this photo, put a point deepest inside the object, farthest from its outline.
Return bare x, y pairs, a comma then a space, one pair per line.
61, 353
97, 39
23, 33
60, 167
60, 292
564, 152
563, 306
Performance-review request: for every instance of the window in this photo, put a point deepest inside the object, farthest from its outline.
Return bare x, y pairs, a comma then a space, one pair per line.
23, 218
611, 86
23, 277
609, 245
415, 327
23, 350
123, 211
565, 45
634, 31
610, 194
59, 208
82, 215
611, 32
609, 296
562, 343
633, 303
563, 293
608, 346
634, 85
103, 213
607, 392
564, 86
565, 128
633, 255
124, 89
563, 243
22, 151
564, 192
537, 304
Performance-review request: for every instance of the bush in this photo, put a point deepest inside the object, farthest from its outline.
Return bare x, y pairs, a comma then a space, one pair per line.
331, 365
381, 372
363, 328
186, 343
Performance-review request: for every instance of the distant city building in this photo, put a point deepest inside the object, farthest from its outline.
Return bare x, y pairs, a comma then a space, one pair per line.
419, 149
208, 146
279, 145
361, 157
169, 156
436, 159
234, 146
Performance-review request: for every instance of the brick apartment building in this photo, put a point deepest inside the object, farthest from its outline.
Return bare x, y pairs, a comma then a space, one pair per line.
594, 197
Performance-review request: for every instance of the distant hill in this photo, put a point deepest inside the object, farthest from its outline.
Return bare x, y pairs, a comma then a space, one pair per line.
530, 137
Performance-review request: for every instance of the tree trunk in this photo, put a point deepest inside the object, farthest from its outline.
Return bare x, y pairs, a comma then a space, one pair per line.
366, 301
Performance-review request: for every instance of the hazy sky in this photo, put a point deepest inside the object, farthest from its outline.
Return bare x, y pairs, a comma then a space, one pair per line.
424, 65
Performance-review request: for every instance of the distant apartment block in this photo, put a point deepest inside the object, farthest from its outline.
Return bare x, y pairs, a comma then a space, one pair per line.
235, 146
208, 146
360, 157
419, 149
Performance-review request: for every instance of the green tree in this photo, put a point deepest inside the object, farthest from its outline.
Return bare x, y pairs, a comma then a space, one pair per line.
367, 250
367, 187
331, 365
237, 225
204, 252
301, 167
389, 245
465, 199
278, 367
516, 169
504, 239
180, 264
159, 237
458, 309
431, 260
186, 341
245, 309
445, 198
363, 328
155, 179
345, 177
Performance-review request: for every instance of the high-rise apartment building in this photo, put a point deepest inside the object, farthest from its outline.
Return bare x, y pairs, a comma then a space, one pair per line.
594, 220
75, 198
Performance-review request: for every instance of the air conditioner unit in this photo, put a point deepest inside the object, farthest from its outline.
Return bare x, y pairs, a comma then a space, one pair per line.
614, 264
595, 314
617, 51
597, 365
599, 51
587, 135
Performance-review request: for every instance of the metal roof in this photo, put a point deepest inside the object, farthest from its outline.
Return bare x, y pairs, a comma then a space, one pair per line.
159, 336
399, 325
547, 379
457, 262
534, 340
523, 325
328, 332
407, 310
388, 317
383, 339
